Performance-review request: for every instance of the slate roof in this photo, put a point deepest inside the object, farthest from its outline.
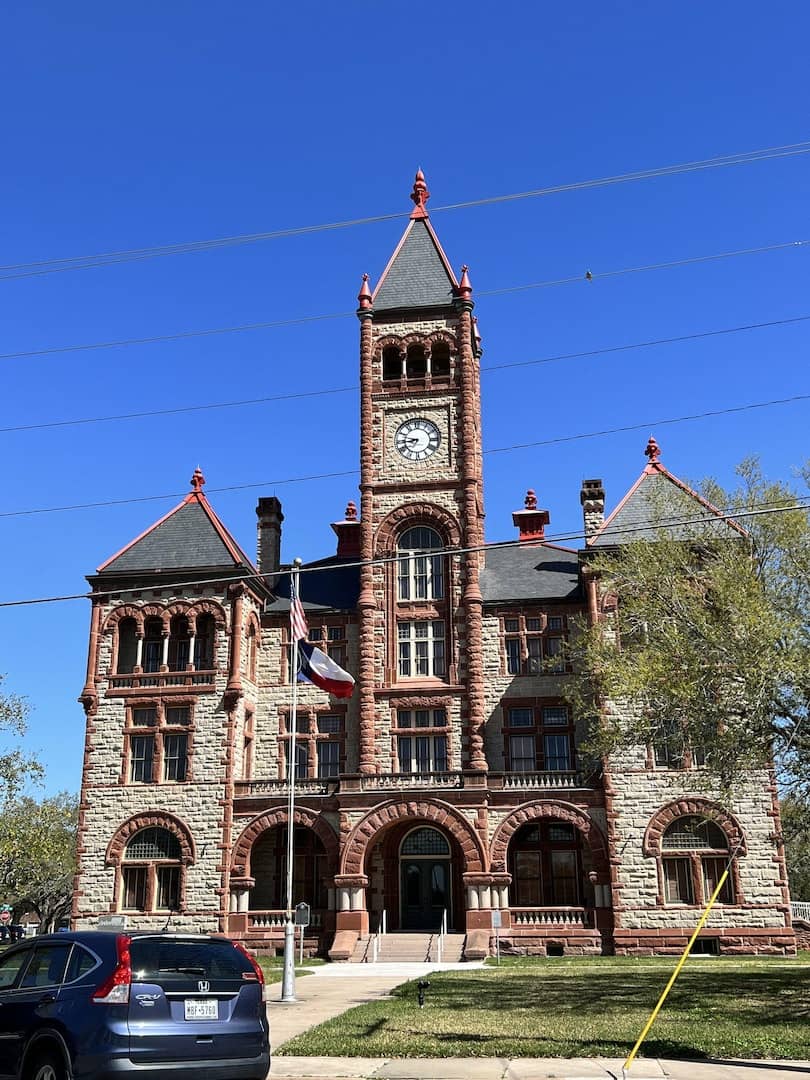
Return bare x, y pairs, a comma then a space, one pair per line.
189, 537
659, 501
530, 572
335, 587
418, 274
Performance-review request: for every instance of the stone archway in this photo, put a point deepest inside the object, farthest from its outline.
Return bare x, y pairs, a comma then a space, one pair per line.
562, 811
272, 819
440, 814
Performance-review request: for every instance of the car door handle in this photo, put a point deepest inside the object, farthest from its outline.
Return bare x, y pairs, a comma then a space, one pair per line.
47, 999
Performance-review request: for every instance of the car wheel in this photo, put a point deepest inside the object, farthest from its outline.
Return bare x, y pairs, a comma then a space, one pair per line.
47, 1067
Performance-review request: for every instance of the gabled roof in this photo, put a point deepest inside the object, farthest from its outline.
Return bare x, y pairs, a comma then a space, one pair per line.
189, 537
659, 501
418, 274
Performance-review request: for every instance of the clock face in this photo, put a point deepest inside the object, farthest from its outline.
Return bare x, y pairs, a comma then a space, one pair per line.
416, 440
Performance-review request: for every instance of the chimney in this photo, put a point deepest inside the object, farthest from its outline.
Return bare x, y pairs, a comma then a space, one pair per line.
348, 534
268, 548
592, 497
530, 521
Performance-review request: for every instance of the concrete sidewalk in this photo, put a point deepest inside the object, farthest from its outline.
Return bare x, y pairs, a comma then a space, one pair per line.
334, 988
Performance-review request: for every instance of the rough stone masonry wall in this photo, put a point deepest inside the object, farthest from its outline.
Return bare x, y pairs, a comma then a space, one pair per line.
638, 795
108, 803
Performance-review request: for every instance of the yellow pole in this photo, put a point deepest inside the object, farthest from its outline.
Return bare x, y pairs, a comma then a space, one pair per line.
676, 972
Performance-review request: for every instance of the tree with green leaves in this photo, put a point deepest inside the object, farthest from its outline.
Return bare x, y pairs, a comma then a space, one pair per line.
703, 647
38, 856
17, 768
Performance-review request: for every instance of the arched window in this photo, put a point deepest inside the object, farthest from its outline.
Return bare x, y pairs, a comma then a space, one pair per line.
268, 866
694, 854
152, 644
391, 363
204, 643
440, 360
416, 362
127, 646
546, 864
425, 841
421, 574
179, 642
151, 871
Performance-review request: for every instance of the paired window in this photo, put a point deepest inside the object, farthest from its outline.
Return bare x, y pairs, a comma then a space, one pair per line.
158, 741
694, 854
670, 749
545, 860
538, 738
421, 649
533, 644
420, 747
331, 640
320, 746
151, 872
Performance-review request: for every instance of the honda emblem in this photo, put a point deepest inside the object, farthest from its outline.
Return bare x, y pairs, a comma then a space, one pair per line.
203, 986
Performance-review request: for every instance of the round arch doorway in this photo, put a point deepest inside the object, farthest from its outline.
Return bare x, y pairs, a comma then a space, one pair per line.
425, 879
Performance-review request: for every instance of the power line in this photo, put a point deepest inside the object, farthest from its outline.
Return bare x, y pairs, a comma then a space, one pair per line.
208, 406
215, 331
646, 425
85, 262
759, 510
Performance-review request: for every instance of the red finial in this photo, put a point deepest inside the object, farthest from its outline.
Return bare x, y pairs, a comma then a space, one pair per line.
420, 196
653, 450
197, 480
364, 296
530, 502
465, 285
351, 511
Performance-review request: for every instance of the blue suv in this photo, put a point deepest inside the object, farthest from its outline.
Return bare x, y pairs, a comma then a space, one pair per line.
96, 1005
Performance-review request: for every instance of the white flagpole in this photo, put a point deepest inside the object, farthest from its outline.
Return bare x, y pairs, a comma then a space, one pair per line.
288, 980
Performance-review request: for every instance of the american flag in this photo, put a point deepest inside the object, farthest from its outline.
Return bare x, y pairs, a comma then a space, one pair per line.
298, 620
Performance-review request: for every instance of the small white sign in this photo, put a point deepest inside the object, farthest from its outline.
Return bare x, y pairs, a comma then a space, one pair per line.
496, 920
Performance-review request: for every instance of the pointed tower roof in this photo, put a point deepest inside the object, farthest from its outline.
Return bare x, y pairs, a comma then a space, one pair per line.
418, 274
189, 537
658, 500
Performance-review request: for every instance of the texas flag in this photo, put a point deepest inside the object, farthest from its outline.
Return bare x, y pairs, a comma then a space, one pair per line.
314, 666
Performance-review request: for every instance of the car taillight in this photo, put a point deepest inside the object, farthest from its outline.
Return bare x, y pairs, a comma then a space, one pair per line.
115, 990
253, 963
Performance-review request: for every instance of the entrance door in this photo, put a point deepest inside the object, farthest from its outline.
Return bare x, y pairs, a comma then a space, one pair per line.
424, 880
425, 894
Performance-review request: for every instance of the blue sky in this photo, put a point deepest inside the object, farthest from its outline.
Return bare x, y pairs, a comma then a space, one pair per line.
128, 127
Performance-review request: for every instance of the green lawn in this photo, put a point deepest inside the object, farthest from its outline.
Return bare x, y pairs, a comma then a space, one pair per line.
583, 1008
273, 967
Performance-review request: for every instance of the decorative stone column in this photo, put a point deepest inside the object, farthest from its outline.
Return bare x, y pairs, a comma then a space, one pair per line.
352, 913
366, 603
473, 525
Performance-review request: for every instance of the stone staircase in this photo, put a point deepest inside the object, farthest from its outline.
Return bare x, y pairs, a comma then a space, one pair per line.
409, 949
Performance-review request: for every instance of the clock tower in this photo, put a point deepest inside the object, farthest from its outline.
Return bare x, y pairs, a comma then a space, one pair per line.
421, 504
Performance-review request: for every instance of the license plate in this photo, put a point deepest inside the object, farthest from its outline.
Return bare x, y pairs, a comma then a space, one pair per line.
197, 1009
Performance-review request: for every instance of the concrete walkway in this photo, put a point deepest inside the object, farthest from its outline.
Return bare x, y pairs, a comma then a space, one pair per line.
334, 988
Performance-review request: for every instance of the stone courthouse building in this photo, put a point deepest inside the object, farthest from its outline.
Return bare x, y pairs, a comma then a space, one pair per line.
450, 786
